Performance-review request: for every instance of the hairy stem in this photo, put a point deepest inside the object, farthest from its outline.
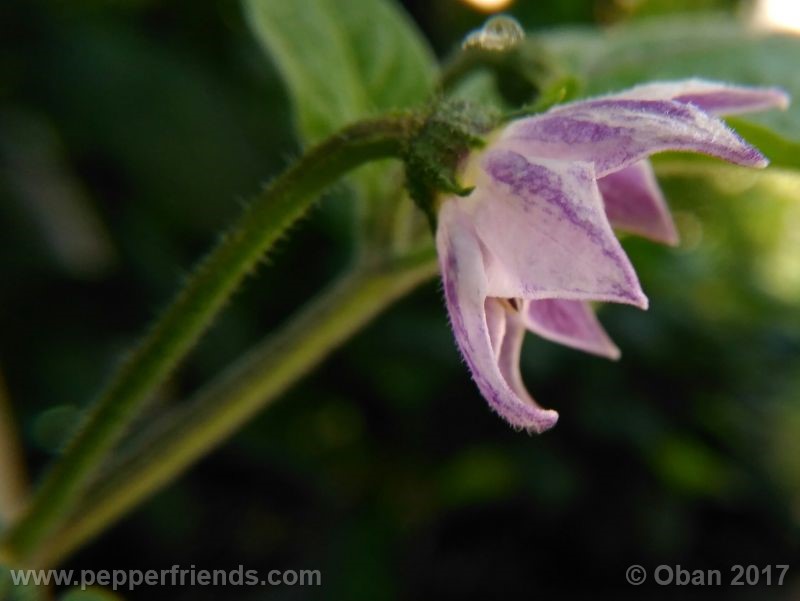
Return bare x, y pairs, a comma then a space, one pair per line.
223, 406
203, 295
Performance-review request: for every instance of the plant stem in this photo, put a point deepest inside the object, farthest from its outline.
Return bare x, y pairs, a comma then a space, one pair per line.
203, 295
246, 387
13, 480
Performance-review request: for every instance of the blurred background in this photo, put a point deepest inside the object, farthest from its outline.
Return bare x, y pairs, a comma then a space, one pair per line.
131, 131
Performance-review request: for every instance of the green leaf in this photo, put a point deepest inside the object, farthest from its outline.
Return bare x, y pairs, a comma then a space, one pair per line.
709, 46
343, 59
780, 151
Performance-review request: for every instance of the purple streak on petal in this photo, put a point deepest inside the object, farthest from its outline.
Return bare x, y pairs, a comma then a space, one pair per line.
710, 96
464, 280
546, 233
634, 203
614, 133
571, 323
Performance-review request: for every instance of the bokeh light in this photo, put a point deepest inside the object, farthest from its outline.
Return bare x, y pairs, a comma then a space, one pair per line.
778, 15
489, 6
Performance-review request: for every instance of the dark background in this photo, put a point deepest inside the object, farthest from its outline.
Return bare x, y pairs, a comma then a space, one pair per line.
131, 132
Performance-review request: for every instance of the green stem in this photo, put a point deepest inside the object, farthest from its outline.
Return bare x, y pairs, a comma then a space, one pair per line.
204, 294
245, 388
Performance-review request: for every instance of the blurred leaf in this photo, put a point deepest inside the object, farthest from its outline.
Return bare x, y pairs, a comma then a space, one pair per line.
200, 145
343, 59
740, 238
477, 475
34, 165
689, 466
780, 151
710, 46
53, 426
781, 451
18, 592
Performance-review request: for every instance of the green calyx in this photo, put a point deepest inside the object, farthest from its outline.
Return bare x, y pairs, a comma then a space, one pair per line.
433, 156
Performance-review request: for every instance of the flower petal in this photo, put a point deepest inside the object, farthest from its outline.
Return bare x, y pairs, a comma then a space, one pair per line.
465, 285
612, 133
495, 324
571, 323
634, 203
711, 96
509, 352
546, 234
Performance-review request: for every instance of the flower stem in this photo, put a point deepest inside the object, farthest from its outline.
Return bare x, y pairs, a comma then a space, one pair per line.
203, 295
164, 451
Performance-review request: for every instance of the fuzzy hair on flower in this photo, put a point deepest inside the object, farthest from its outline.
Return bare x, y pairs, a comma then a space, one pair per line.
532, 245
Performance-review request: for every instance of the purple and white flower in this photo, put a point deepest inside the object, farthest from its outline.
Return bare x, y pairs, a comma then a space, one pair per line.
533, 244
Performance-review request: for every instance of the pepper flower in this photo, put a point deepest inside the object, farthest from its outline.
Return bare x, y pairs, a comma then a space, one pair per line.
532, 245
